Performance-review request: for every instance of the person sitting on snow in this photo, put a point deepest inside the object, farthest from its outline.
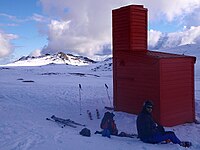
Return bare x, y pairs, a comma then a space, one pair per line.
108, 125
150, 132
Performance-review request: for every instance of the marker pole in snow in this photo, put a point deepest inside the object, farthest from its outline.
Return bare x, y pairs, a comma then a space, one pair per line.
108, 95
80, 98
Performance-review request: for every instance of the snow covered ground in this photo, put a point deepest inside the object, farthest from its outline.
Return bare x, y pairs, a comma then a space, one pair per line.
30, 94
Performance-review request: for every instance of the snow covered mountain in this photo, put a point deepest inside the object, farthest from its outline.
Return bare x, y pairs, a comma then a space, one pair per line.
69, 59
105, 65
59, 58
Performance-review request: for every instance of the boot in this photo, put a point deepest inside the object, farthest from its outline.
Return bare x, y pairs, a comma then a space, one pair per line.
185, 144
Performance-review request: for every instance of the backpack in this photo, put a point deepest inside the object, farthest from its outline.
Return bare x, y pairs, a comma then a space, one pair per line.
85, 132
108, 123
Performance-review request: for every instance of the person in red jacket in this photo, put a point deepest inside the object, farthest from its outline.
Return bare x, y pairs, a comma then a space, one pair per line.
108, 125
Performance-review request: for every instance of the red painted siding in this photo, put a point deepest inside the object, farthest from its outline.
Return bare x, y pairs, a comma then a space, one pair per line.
176, 91
167, 81
130, 29
136, 79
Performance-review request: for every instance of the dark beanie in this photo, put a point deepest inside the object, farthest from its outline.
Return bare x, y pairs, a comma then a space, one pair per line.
148, 103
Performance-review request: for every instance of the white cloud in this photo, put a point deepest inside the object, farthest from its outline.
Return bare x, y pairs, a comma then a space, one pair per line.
153, 37
85, 26
57, 28
8, 24
169, 9
193, 19
89, 28
8, 16
63, 36
14, 18
187, 36
39, 18
178, 8
36, 53
5, 44
191, 36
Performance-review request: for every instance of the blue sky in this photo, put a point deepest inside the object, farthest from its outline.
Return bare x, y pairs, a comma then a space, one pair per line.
15, 18
84, 27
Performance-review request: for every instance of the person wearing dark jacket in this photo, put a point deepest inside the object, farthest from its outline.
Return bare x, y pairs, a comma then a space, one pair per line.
150, 132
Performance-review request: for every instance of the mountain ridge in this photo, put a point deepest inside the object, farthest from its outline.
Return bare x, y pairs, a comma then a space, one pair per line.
58, 58
70, 59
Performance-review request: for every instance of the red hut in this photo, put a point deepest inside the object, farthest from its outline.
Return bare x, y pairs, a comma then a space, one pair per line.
140, 74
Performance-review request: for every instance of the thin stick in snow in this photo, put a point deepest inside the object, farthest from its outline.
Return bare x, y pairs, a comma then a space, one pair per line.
80, 98
108, 95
